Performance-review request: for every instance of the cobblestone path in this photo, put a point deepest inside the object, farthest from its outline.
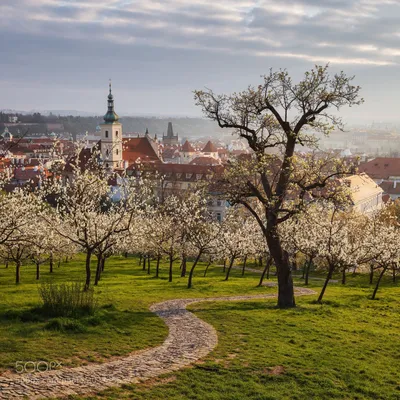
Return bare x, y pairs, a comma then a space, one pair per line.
189, 339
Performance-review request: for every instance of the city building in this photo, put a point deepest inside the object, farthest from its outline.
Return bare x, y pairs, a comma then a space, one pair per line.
170, 139
365, 194
111, 137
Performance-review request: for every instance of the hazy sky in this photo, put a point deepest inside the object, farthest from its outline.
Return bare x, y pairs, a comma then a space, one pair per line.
60, 54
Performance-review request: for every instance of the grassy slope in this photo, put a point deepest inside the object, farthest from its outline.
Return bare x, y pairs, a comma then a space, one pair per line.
123, 324
348, 348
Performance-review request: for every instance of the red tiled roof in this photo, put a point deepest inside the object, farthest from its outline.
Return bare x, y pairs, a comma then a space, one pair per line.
187, 147
26, 174
204, 161
381, 167
390, 187
135, 148
182, 168
209, 148
170, 153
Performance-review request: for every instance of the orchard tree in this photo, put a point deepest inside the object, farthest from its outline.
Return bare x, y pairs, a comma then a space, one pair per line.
383, 241
86, 215
20, 227
302, 233
342, 240
234, 237
279, 115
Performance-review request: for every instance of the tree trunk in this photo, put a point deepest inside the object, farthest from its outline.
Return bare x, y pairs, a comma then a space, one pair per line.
6, 264
328, 277
51, 263
158, 266
371, 274
140, 259
144, 263
37, 270
343, 276
294, 263
103, 263
266, 268
170, 269
394, 275
59, 263
285, 282
148, 265
183, 272
98, 270
230, 267
126, 254
378, 282
17, 272
308, 267
244, 264
88, 271
205, 271
192, 269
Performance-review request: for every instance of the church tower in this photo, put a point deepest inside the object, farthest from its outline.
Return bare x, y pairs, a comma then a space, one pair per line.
111, 137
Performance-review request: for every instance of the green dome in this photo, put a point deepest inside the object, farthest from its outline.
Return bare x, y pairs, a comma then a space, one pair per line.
111, 115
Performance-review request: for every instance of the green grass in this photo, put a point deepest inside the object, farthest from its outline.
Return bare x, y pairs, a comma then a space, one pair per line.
347, 348
123, 323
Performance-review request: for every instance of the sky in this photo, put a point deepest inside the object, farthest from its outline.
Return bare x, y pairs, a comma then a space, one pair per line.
60, 55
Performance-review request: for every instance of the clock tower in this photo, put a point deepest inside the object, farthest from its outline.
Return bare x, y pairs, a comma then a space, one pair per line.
111, 136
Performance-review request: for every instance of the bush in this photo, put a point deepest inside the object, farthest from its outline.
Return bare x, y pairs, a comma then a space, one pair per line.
65, 325
67, 300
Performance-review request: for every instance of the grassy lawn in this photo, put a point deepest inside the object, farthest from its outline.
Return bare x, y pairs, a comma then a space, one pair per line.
348, 348
122, 324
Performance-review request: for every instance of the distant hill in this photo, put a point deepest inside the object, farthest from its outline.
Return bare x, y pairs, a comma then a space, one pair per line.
185, 127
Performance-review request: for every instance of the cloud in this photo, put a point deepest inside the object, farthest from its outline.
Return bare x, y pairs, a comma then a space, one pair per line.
294, 28
202, 41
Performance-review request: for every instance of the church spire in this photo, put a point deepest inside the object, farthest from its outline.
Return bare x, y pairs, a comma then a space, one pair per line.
111, 115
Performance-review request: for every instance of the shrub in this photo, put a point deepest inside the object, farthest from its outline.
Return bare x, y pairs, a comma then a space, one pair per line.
67, 300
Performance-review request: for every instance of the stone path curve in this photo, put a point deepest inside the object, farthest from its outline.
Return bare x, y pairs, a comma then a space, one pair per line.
189, 339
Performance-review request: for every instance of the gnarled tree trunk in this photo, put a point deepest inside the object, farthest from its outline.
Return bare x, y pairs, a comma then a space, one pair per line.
282, 263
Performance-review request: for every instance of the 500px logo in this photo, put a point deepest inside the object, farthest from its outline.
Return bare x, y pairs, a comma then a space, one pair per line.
36, 366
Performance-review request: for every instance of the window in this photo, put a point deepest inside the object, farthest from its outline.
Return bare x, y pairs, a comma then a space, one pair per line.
219, 203
106, 165
219, 217
106, 134
116, 134
116, 151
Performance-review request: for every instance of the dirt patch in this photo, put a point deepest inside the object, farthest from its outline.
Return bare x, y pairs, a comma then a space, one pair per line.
277, 370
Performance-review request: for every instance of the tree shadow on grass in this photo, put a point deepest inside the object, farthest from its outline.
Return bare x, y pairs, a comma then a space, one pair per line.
27, 322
